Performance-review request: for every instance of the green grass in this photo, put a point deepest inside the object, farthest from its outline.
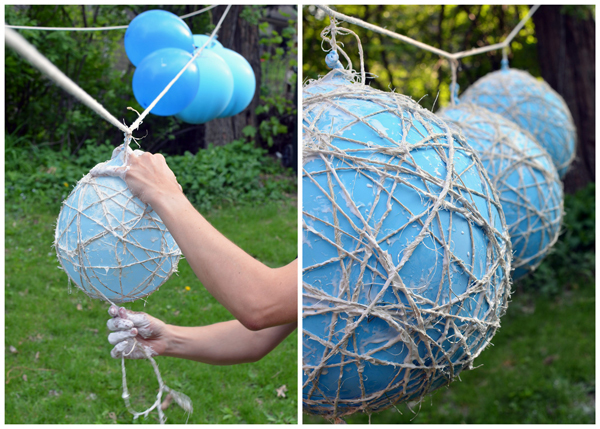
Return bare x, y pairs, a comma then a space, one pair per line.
541, 368
62, 371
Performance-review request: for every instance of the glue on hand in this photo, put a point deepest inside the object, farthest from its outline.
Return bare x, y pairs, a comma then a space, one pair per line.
127, 326
118, 164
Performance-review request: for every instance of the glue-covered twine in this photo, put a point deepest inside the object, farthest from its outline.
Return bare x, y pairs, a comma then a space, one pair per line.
410, 323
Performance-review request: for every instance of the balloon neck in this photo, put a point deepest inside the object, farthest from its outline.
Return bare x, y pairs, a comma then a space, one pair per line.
333, 60
454, 87
504, 64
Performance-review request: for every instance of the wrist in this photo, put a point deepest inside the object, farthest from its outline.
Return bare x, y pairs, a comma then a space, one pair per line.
163, 203
172, 341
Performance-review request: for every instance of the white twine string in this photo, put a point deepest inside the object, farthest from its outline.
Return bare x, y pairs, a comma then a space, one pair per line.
28, 51
333, 29
116, 27
424, 46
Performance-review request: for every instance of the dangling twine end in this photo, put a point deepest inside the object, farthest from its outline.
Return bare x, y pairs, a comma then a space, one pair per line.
129, 135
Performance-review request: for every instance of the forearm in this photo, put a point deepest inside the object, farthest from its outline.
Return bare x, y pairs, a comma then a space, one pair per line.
258, 296
225, 343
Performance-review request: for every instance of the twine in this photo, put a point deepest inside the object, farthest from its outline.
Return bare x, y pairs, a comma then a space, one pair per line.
475, 51
334, 30
524, 176
424, 309
115, 27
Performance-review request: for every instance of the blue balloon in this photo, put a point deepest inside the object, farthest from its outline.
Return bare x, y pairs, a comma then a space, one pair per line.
154, 30
244, 81
110, 243
156, 71
534, 106
525, 179
214, 92
394, 307
200, 40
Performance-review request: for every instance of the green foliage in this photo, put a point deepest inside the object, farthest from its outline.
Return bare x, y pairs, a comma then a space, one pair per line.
235, 173
279, 74
581, 12
62, 371
252, 14
41, 176
574, 252
44, 111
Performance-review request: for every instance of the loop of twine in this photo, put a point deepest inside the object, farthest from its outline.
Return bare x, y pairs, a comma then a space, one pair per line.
333, 30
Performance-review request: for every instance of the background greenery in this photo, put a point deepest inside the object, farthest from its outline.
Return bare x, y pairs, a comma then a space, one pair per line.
541, 368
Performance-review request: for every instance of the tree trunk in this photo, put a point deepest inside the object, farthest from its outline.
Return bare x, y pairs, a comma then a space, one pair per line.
566, 51
242, 37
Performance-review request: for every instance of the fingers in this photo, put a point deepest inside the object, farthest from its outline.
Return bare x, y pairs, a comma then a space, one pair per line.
131, 349
112, 311
124, 319
120, 336
118, 324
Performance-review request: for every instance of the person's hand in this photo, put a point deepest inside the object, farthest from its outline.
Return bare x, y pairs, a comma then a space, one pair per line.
148, 176
135, 334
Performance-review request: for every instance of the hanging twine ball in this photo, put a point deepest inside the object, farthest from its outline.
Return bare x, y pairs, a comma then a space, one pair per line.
524, 176
533, 105
406, 255
110, 244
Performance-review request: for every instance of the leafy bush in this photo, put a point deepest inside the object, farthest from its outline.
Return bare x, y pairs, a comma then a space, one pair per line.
572, 258
236, 173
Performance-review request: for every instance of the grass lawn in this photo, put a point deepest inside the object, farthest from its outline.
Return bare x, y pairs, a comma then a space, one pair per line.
541, 368
57, 361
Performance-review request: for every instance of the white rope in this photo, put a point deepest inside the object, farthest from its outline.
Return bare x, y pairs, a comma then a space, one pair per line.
28, 51
117, 27
425, 46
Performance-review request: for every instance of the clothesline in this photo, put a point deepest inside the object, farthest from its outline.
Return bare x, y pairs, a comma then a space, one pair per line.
117, 27
440, 52
31, 54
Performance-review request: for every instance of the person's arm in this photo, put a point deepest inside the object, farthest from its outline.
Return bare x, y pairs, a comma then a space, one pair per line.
258, 296
225, 343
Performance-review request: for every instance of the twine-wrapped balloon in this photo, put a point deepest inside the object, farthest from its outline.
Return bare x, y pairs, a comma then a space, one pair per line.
527, 182
533, 105
406, 255
110, 244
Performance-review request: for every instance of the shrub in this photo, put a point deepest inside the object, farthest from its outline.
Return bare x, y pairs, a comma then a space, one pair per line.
235, 173
572, 258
